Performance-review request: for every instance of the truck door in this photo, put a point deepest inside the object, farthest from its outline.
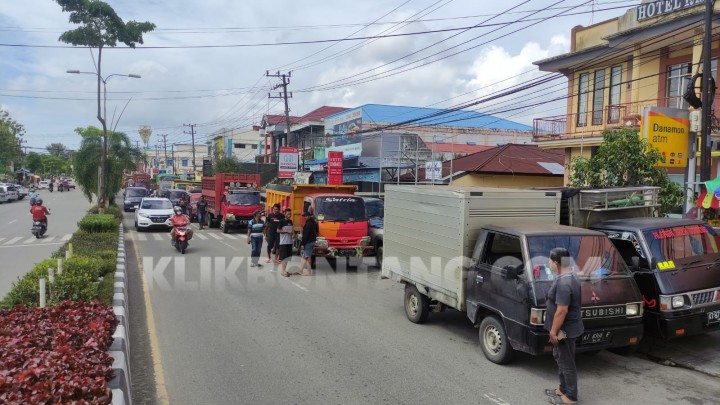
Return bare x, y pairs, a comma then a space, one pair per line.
499, 281
629, 245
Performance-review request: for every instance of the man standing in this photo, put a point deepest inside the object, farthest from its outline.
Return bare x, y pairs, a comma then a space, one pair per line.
285, 230
307, 243
201, 209
272, 224
564, 322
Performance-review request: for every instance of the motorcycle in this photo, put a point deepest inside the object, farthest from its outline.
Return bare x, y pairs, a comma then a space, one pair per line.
38, 229
50, 187
60, 187
181, 242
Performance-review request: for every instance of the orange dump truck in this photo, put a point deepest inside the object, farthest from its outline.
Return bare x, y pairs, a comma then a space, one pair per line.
340, 216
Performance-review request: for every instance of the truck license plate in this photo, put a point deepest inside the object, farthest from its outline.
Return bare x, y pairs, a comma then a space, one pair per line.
595, 337
713, 316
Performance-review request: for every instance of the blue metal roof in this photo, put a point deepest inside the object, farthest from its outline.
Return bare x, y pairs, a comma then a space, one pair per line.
392, 114
324, 160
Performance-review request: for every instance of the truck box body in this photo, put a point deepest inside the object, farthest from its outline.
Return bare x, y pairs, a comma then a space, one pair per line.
440, 224
223, 190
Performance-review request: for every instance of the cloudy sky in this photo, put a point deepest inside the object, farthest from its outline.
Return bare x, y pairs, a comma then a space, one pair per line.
205, 63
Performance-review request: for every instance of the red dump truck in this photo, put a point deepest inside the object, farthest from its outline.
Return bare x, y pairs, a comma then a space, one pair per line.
140, 179
232, 199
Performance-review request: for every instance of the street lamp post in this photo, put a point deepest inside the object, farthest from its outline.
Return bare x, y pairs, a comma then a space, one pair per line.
102, 170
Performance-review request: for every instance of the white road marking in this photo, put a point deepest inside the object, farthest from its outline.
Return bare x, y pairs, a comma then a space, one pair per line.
201, 236
298, 285
66, 237
14, 220
2, 239
495, 399
141, 236
29, 240
13, 240
157, 236
215, 236
31, 245
49, 238
227, 235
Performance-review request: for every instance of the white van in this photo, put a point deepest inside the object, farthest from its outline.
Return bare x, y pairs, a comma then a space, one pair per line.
43, 184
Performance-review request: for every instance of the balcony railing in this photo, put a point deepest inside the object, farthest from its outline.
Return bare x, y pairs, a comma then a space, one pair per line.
593, 123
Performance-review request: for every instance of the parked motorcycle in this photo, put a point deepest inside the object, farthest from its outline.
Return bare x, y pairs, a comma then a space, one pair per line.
181, 242
38, 229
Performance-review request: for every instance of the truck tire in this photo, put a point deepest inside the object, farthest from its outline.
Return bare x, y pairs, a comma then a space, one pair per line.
379, 255
225, 228
494, 341
417, 306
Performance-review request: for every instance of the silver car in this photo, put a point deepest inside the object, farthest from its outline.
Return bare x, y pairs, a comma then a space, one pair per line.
11, 192
22, 191
3, 195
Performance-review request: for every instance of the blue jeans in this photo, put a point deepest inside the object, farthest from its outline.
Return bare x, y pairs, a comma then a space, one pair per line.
256, 246
201, 218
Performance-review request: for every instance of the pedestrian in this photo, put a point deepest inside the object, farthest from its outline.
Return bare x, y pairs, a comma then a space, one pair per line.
201, 210
307, 242
271, 233
184, 203
256, 226
564, 322
285, 230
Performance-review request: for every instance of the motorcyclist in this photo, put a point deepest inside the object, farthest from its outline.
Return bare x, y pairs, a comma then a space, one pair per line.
33, 196
50, 186
180, 219
39, 212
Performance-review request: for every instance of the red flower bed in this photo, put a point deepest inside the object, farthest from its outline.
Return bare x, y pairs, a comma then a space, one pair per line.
56, 355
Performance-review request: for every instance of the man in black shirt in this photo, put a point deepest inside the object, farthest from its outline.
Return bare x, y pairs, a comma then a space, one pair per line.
307, 242
272, 222
201, 210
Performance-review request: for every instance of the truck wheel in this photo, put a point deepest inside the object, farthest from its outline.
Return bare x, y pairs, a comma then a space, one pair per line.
225, 228
494, 342
379, 255
417, 306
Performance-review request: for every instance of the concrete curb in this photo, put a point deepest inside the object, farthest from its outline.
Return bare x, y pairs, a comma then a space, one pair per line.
120, 348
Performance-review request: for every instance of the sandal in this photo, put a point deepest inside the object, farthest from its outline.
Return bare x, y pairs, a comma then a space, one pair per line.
559, 401
285, 274
552, 392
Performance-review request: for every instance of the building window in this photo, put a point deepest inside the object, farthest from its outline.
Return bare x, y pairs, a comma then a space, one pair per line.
678, 77
598, 97
239, 146
614, 98
583, 93
184, 162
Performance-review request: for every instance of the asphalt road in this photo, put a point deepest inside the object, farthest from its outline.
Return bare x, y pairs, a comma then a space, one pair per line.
228, 333
19, 250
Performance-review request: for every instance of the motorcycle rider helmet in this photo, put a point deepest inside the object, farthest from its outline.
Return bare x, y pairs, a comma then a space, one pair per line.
177, 209
38, 201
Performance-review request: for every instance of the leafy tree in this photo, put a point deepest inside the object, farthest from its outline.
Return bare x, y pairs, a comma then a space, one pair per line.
34, 162
122, 156
57, 149
623, 159
100, 26
10, 134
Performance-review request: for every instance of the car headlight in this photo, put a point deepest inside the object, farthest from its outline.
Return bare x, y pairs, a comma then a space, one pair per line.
141, 214
537, 316
678, 301
632, 309
671, 302
364, 241
321, 242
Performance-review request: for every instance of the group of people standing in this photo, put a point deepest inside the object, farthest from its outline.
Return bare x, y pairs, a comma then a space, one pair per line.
278, 230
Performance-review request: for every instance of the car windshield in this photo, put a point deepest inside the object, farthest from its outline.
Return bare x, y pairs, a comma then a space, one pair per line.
156, 205
175, 195
593, 257
244, 199
340, 208
375, 208
135, 192
681, 241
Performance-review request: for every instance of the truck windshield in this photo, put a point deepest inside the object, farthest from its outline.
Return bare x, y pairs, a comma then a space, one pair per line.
340, 208
375, 208
681, 241
592, 256
136, 192
244, 199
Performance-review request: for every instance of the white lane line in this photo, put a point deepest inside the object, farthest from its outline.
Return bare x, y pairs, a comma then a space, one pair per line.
227, 235
157, 236
141, 236
215, 236
201, 236
66, 237
298, 285
49, 238
14, 220
29, 240
31, 245
13, 240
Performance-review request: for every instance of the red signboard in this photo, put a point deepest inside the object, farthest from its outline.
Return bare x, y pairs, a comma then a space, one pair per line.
335, 168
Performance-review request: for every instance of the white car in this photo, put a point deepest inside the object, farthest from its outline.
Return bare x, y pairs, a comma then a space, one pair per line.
22, 191
43, 184
10, 191
3, 195
153, 213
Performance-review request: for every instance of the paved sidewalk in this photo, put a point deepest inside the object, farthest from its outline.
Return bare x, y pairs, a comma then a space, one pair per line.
700, 353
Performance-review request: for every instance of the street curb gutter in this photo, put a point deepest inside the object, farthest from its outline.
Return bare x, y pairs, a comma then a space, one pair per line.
120, 348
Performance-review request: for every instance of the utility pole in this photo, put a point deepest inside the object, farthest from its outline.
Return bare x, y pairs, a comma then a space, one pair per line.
707, 95
192, 132
285, 82
172, 151
164, 136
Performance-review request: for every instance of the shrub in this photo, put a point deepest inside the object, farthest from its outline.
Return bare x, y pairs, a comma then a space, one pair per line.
110, 210
91, 244
99, 223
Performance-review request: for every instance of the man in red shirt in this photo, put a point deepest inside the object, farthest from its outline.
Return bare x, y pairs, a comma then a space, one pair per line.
39, 212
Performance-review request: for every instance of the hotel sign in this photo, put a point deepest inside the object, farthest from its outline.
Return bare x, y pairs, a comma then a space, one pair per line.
657, 8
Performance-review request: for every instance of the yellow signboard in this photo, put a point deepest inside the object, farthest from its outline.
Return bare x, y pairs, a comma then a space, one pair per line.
668, 130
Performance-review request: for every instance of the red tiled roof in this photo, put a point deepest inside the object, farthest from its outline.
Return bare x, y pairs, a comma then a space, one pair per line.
272, 119
510, 158
320, 113
457, 148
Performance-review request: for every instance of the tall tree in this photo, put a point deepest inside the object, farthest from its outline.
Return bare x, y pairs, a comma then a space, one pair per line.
34, 162
624, 159
11, 133
57, 149
100, 26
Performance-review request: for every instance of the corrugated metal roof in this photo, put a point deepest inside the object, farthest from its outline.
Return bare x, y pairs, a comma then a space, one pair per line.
393, 114
510, 158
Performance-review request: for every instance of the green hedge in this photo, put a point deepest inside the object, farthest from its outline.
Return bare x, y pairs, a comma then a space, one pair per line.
110, 209
103, 244
99, 223
77, 282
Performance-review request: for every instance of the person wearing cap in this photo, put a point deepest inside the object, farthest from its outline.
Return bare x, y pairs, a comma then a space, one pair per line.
307, 242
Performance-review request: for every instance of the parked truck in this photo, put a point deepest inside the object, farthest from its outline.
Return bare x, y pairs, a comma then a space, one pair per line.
485, 251
232, 199
340, 215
